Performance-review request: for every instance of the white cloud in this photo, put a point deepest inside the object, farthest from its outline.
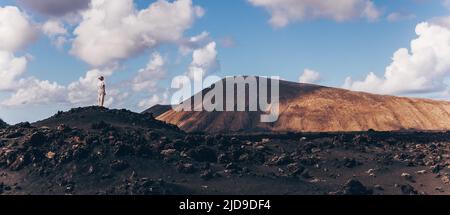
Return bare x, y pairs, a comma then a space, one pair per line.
148, 81
34, 91
397, 16
53, 28
370, 11
106, 32
190, 44
309, 76
205, 57
84, 91
115, 30
15, 30
148, 78
421, 69
59, 41
11, 68
204, 60
56, 31
154, 100
162, 22
284, 12
443, 21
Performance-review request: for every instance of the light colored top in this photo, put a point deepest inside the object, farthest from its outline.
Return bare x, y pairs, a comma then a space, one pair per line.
101, 87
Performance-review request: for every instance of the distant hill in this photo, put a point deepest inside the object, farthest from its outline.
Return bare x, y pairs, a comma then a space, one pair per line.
308, 107
3, 124
158, 110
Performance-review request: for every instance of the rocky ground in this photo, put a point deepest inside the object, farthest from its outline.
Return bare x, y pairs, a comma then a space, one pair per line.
100, 151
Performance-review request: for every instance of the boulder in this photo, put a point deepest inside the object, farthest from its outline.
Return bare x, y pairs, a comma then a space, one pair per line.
355, 187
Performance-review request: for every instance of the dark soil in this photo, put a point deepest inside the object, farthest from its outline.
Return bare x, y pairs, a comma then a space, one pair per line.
99, 151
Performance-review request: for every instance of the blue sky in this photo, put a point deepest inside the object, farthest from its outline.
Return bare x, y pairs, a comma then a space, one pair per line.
246, 43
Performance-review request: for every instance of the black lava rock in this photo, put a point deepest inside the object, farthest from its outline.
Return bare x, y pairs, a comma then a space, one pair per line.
355, 187
119, 165
203, 154
408, 190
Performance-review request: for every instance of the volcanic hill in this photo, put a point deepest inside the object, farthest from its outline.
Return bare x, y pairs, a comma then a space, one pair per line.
314, 108
157, 110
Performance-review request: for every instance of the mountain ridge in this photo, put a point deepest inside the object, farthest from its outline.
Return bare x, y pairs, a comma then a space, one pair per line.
315, 108
157, 109
3, 124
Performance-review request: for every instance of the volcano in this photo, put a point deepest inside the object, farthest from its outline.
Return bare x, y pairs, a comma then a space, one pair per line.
314, 108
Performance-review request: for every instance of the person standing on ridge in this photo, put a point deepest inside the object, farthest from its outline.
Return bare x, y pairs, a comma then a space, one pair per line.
101, 91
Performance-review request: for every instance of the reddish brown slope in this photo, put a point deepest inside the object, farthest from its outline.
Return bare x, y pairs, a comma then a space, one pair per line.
157, 110
306, 107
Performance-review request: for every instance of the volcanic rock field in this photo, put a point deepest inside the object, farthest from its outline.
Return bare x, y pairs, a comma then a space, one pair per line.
95, 150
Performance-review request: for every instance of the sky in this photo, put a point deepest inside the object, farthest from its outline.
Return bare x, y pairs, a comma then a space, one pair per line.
52, 51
